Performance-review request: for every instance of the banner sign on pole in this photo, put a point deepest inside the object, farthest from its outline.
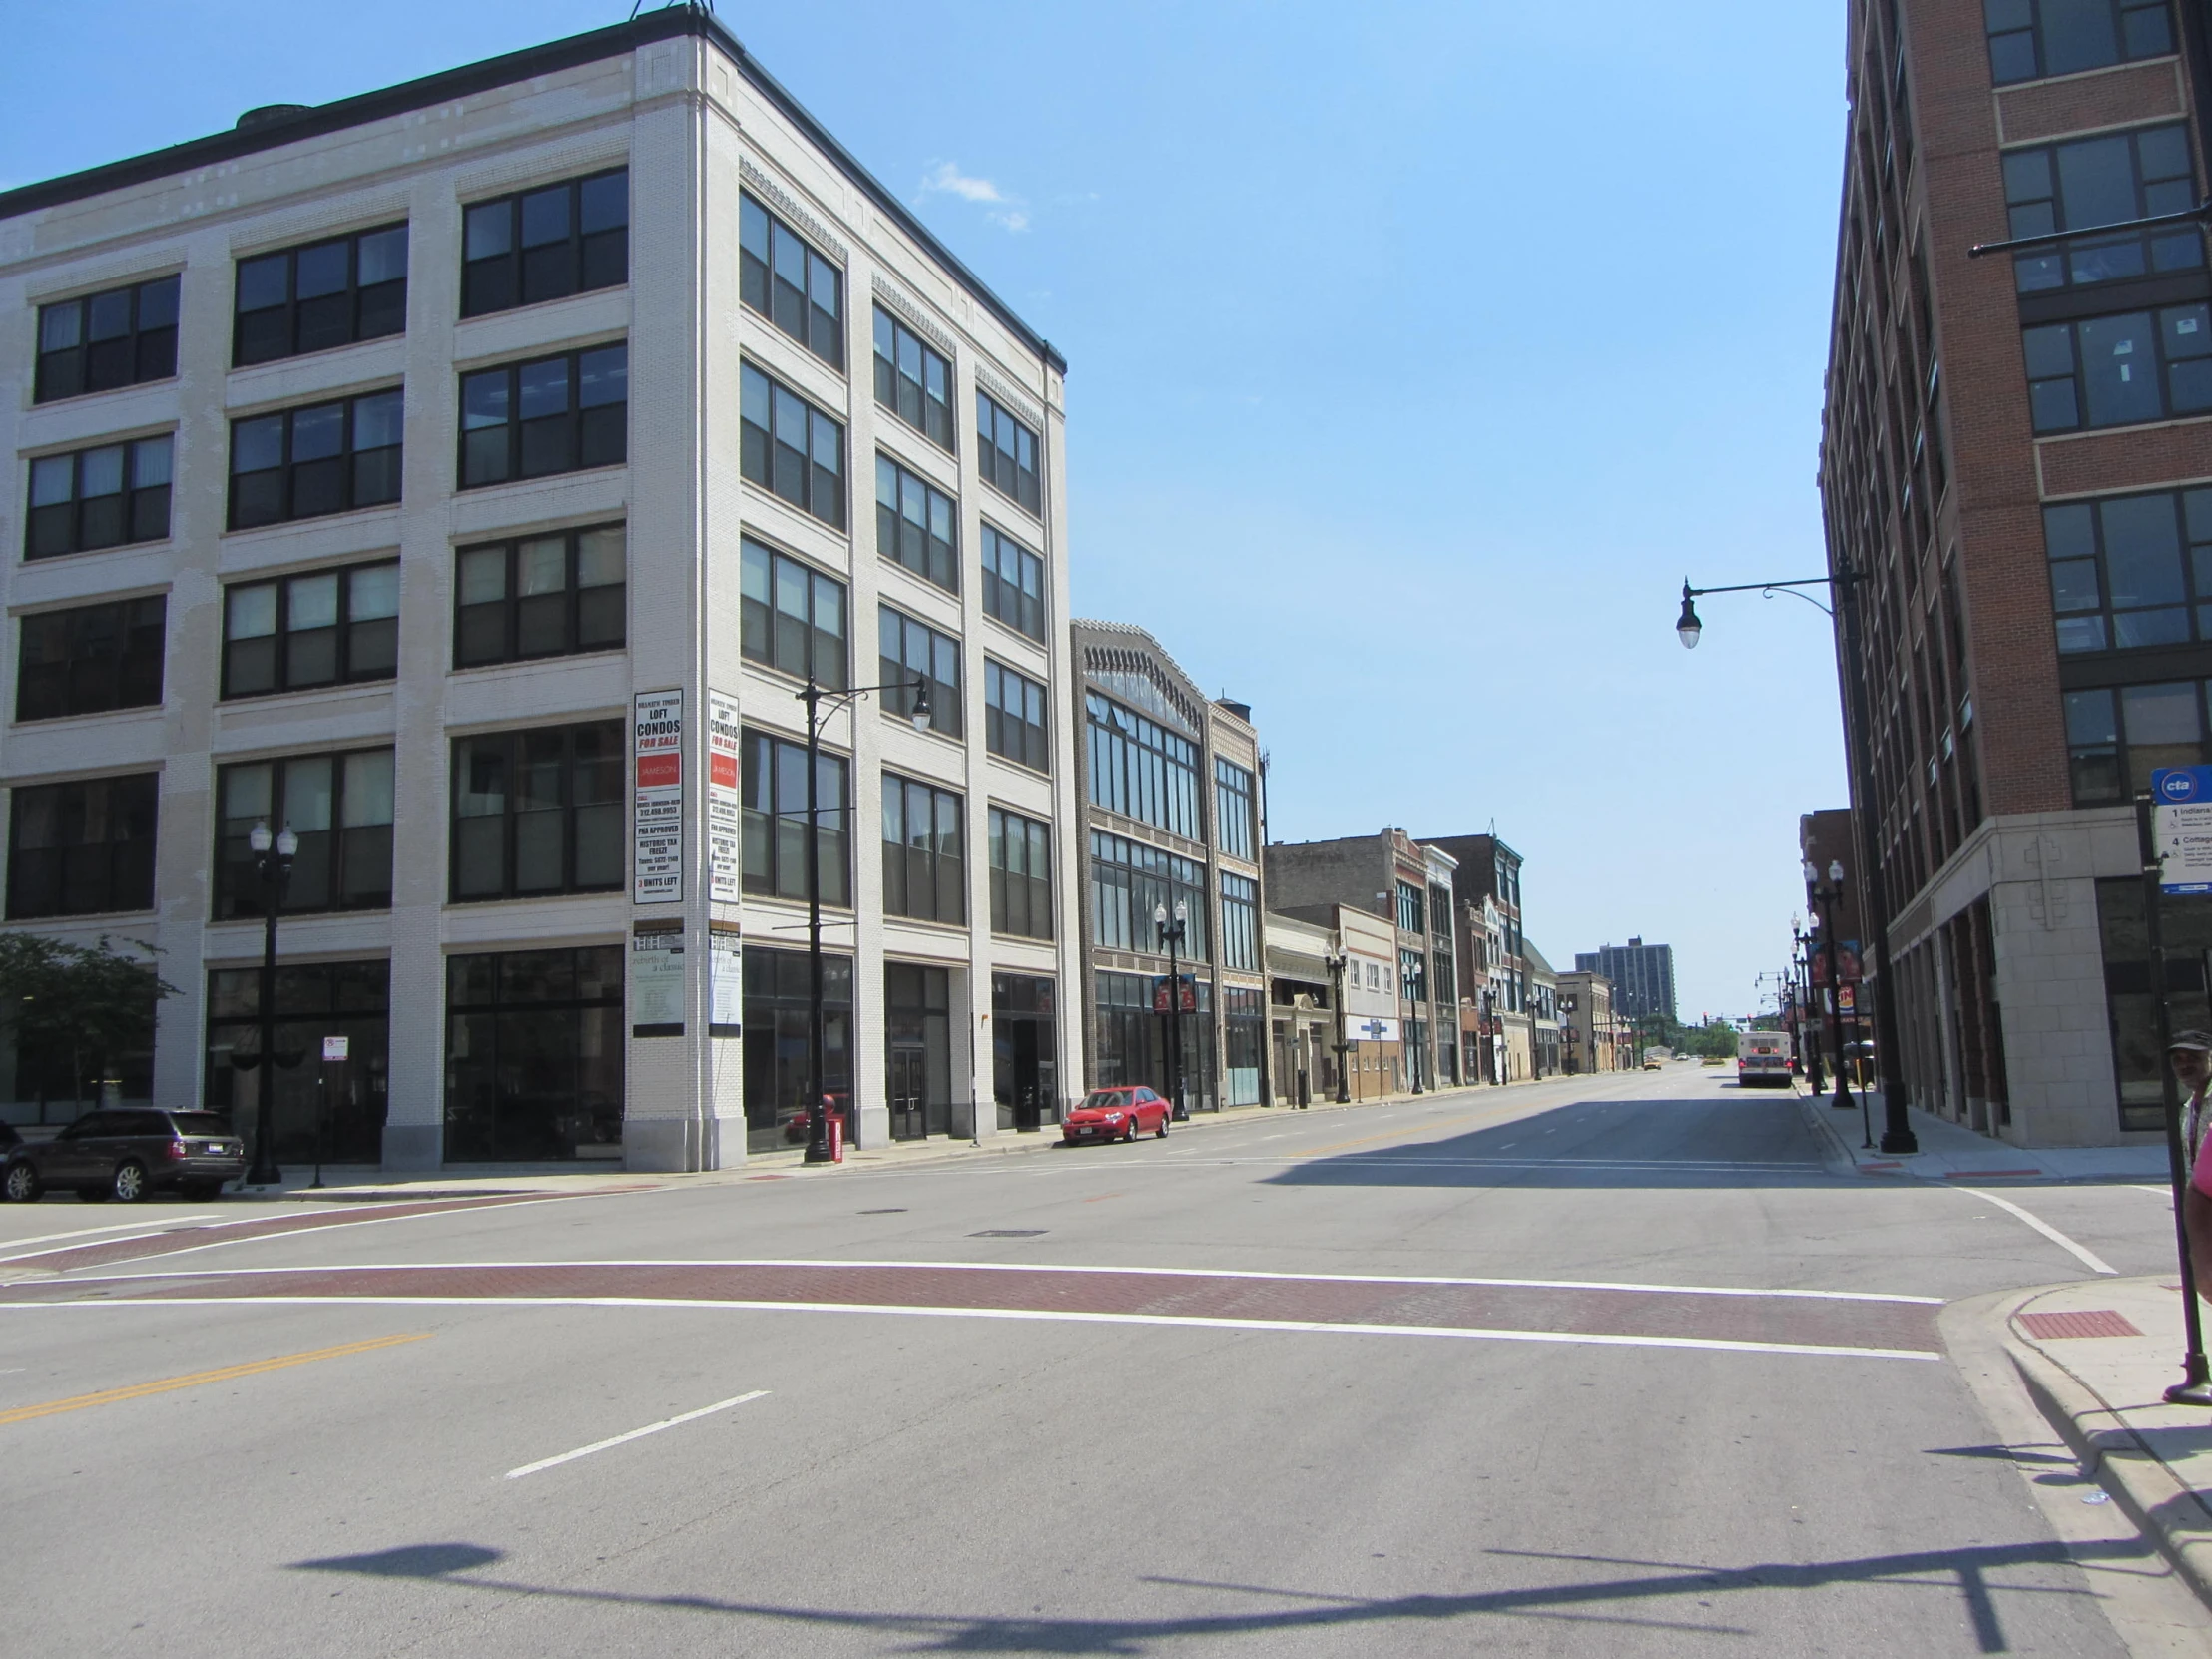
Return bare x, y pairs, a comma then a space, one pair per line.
657, 840
725, 818
2181, 828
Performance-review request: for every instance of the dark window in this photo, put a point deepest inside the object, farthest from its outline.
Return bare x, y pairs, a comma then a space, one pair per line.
2033, 38
321, 629
90, 660
106, 340
1014, 723
1140, 768
791, 448
552, 414
79, 849
916, 525
925, 858
2130, 571
2101, 181
2118, 735
1130, 882
325, 295
542, 596
1233, 816
1006, 450
2116, 370
1240, 924
98, 498
340, 808
335, 1113
1013, 584
546, 243
534, 1052
2137, 1002
775, 798
788, 282
1411, 908
1021, 875
304, 463
779, 1012
908, 649
793, 616
912, 380
539, 812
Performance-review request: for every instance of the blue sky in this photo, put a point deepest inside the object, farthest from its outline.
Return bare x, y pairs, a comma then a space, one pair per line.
1417, 352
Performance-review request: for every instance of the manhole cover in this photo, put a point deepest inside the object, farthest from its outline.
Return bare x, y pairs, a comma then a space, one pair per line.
1009, 1232
896, 1210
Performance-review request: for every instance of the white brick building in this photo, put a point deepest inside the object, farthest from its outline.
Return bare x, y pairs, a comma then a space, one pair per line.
419, 654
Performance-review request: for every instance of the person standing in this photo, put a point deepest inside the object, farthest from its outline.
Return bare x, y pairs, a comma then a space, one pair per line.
2190, 1054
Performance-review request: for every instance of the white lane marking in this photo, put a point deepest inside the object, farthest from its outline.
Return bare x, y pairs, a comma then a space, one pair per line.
1049, 1266
2162, 1192
1369, 1160
1038, 1315
2089, 1258
634, 1435
167, 1224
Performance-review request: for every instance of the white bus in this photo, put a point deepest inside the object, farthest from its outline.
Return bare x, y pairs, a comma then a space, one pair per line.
1763, 1058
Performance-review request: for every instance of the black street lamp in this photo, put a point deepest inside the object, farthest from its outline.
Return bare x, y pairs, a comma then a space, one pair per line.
1336, 962
1171, 937
272, 857
1801, 962
1874, 905
821, 704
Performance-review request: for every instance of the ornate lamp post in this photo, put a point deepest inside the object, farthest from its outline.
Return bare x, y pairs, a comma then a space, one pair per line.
821, 704
1171, 937
272, 857
1336, 962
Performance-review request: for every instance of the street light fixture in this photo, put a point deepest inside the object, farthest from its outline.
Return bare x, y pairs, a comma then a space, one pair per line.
821, 702
1336, 962
274, 874
1171, 937
1897, 1130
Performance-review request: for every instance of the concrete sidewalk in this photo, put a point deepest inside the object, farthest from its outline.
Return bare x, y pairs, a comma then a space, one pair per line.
2097, 1357
1953, 1152
363, 1184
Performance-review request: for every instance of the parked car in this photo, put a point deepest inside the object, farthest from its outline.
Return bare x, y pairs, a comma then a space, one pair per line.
1116, 1114
128, 1154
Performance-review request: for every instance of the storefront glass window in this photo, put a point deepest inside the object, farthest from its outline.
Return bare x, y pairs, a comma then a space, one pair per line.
775, 1037
534, 1056
315, 1001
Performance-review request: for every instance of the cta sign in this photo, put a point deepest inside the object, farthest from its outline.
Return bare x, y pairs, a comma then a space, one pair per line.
2181, 828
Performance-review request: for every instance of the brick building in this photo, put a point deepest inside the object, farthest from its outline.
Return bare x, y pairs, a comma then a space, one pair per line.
2012, 462
1492, 952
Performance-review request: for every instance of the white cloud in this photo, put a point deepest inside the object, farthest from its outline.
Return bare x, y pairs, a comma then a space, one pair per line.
947, 179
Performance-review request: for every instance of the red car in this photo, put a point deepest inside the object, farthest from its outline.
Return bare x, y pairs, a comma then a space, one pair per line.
1116, 1114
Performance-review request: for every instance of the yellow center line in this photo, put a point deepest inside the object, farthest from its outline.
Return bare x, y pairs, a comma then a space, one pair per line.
137, 1390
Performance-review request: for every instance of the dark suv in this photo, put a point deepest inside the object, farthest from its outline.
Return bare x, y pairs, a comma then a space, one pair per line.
128, 1153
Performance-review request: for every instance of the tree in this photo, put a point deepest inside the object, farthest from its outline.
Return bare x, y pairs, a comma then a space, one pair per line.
92, 1004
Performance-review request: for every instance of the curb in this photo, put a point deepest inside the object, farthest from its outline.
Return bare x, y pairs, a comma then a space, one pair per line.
1836, 1157
2116, 1457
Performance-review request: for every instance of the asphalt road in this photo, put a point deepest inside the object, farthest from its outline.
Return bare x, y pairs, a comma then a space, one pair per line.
1475, 1373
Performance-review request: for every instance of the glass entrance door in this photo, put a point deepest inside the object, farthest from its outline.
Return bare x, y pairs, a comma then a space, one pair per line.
910, 1093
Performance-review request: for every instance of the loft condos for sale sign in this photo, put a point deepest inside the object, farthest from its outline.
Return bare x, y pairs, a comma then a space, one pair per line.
657, 838
2181, 828
725, 816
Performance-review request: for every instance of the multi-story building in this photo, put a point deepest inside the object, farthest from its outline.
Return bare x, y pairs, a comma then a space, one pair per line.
1587, 1024
1642, 974
2011, 466
1488, 875
1305, 962
1826, 838
1406, 883
1172, 810
469, 476
1545, 1046
1375, 1026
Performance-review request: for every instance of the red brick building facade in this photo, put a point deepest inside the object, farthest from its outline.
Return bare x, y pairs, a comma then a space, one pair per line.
2016, 470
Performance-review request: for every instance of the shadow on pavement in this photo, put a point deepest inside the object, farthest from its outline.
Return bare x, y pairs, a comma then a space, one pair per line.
1970, 1570
1704, 1141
